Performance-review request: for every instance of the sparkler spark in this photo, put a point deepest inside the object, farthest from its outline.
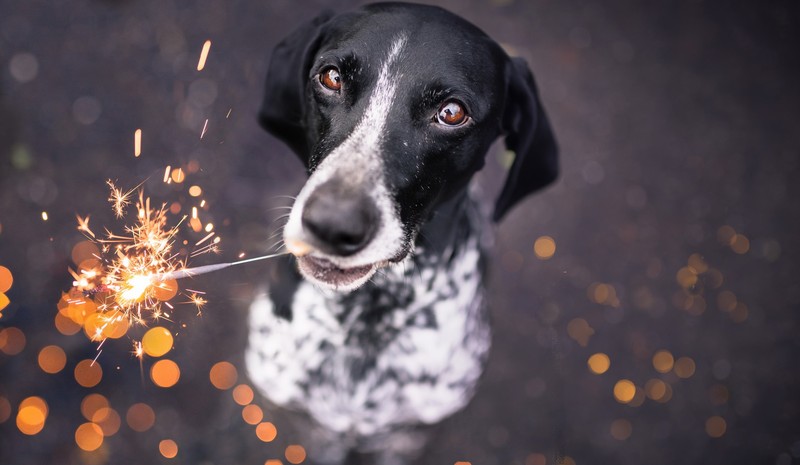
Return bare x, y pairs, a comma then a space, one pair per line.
201, 63
137, 143
83, 225
119, 199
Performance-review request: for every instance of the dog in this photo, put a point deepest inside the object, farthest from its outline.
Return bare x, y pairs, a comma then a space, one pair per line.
376, 324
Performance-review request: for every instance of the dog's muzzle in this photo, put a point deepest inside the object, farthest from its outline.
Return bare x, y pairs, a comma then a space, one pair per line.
339, 221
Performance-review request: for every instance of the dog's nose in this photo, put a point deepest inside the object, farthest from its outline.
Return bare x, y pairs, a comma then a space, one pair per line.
339, 220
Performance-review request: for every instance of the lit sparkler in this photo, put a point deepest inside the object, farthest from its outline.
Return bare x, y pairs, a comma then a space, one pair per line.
135, 274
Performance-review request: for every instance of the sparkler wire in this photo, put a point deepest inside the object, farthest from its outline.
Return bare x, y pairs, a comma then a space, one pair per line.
189, 272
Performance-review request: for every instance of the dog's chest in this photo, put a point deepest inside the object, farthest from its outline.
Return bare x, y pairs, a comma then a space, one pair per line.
407, 348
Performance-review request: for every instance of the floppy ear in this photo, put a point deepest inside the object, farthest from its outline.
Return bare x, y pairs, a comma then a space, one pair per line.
282, 110
528, 134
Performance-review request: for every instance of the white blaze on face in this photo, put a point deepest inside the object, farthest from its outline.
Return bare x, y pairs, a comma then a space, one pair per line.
357, 162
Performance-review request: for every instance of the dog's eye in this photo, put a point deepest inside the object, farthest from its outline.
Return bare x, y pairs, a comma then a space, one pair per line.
452, 113
331, 79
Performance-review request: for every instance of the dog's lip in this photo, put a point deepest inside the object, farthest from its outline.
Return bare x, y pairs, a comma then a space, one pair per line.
328, 272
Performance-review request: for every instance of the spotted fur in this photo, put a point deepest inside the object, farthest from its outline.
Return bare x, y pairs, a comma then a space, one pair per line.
406, 348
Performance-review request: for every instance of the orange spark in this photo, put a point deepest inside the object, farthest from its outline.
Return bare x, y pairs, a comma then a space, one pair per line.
119, 199
204, 55
83, 225
137, 143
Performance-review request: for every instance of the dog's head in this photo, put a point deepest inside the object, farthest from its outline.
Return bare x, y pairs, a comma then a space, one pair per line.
392, 108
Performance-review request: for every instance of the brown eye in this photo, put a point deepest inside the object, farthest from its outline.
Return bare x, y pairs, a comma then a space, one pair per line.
452, 113
330, 78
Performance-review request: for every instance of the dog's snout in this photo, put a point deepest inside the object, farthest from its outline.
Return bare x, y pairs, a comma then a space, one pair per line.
340, 221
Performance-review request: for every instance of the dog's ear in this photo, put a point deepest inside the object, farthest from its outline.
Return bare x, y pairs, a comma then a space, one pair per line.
529, 136
282, 108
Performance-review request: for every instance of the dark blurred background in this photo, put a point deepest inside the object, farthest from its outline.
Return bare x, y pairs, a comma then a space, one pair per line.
674, 221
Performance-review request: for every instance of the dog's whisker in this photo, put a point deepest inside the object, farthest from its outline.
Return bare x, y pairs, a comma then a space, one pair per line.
290, 197
275, 234
280, 207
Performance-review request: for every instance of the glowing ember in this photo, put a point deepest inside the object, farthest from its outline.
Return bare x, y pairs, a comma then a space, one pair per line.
201, 63
118, 199
137, 143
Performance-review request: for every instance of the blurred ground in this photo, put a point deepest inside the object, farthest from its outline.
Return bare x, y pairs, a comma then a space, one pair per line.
677, 123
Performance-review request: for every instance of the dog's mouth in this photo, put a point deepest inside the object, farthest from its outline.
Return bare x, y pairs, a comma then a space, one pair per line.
326, 272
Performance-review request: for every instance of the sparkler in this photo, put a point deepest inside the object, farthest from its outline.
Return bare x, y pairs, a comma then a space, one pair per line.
134, 275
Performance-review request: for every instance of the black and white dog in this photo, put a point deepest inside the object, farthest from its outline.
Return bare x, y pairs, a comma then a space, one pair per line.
392, 108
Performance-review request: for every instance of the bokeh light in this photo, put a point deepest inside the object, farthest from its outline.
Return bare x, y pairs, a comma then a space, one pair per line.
5, 409
6, 279
719, 394
663, 361
223, 375
716, 426
621, 429
178, 175
603, 294
684, 367
89, 436
295, 453
32, 415
115, 325
599, 363
740, 244
52, 359
168, 448
157, 341
166, 290
85, 251
165, 373
12, 340
91, 404
658, 390
65, 325
140, 417
266, 431
108, 420
580, 331
252, 414
544, 247
624, 390
243, 394
88, 373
